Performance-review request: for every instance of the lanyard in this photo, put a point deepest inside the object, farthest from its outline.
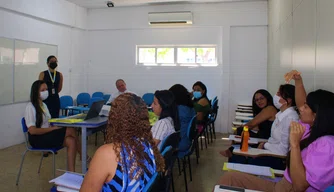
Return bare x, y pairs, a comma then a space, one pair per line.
54, 76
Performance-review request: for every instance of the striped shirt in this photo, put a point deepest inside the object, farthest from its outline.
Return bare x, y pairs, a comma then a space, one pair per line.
122, 182
162, 128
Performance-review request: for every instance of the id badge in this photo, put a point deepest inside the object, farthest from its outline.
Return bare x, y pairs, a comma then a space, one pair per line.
53, 91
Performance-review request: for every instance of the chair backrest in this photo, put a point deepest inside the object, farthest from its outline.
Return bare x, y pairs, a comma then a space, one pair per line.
148, 98
214, 111
94, 99
213, 100
152, 184
171, 140
98, 94
168, 156
106, 98
191, 131
25, 131
83, 98
66, 101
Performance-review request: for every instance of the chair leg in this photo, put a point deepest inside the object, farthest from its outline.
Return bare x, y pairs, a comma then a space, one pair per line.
178, 164
40, 163
19, 174
96, 139
189, 164
210, 129
205, 138
197, 151
184, 172
214, 130
172, 178
54, 164
200, 136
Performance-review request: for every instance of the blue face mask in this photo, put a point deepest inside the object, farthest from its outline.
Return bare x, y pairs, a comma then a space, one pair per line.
197, 94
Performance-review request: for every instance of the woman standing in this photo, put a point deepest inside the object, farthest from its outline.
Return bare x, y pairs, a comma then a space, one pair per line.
54, 82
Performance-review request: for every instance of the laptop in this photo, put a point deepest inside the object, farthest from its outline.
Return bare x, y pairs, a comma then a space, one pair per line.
93, 111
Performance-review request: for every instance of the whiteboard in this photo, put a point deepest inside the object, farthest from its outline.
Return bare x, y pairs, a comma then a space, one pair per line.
30, 60
20, 64
6, 70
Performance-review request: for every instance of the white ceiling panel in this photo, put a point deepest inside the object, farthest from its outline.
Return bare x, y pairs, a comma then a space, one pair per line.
122, 3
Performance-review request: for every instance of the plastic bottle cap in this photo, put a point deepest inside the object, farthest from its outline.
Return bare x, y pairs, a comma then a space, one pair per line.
245, 128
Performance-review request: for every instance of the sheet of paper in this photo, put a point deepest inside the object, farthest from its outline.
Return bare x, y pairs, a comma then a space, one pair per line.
238, 139
65, 189
252, 169
69, 180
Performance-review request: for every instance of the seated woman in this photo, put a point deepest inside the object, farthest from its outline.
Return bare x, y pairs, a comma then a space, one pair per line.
279, 139
130, 158
264, 113
201, 104
40, 133
186, 113
310, 164
165, 108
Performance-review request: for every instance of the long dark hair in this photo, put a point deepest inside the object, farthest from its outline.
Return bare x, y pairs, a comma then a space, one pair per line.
181, 94
321, 103
287, 91
256, 109
35, 100
202, 86
168, 105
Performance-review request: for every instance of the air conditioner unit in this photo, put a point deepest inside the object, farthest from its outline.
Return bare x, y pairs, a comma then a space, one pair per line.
162, 18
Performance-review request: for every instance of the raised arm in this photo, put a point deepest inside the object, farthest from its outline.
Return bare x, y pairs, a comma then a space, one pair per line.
300, 92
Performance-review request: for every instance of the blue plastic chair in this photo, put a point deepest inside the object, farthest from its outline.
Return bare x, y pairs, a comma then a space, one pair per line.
148, 98
65, 101
97, 94
212, 119
191, 134
29, 148
83, 99
94, 99
213, 100
106, 98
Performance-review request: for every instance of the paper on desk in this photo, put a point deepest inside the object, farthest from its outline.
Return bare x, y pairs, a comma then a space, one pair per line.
68, 180
251, 169
66, 189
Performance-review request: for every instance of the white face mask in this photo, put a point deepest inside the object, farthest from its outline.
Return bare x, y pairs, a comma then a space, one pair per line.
277, 104
44, 95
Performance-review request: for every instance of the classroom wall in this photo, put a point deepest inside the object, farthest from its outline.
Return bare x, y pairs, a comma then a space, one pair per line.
301, 37
239, 29
45, 21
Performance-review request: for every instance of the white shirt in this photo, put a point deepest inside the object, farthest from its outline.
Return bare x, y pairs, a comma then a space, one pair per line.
280, 131
114, 96
162, 128
30, 116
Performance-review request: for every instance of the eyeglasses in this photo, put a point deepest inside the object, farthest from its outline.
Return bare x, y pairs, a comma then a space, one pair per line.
259, 99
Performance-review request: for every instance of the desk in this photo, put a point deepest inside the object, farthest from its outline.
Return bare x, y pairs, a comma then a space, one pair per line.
84, 125
252, 140
255, 152
232, 189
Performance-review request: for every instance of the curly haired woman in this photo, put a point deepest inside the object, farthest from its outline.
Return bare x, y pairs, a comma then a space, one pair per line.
130, 158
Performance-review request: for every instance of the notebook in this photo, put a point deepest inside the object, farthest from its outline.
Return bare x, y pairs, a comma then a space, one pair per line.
68, 180
251, 169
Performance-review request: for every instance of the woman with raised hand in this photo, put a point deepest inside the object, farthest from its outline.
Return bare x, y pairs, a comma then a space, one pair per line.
310, 164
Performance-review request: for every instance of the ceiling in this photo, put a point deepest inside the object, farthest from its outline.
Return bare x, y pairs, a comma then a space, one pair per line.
122, 3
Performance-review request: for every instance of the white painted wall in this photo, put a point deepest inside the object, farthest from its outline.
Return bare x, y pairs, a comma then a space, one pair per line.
46, 21
301, 37
239, 29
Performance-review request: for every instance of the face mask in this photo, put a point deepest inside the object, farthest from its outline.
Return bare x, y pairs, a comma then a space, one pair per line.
197, 94
53, 65
277, 104
44, 95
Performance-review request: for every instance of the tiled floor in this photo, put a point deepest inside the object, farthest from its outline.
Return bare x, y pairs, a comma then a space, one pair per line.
205, 174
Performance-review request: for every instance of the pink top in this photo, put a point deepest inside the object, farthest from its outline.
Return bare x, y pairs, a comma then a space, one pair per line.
318, 162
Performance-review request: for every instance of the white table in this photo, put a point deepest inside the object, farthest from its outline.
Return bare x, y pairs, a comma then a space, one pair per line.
84, 125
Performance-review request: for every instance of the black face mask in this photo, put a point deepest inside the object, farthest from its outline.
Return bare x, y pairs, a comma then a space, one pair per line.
53, 65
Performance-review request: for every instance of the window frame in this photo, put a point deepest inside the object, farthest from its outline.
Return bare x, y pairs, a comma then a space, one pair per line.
175, 47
